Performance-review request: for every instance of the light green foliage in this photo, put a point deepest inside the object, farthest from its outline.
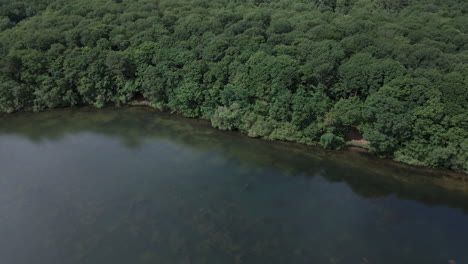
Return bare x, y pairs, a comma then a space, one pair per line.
286, 132
227, 118
261, 128
293, 70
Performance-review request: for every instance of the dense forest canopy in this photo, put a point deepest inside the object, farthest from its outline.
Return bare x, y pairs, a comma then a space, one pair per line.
299, 70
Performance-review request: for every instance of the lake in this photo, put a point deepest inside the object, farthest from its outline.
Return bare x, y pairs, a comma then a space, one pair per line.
133, 185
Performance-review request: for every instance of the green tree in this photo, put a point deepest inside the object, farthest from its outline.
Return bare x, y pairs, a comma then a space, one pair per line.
331, 141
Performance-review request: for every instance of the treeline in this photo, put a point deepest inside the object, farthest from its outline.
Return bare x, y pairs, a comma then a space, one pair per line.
299, 70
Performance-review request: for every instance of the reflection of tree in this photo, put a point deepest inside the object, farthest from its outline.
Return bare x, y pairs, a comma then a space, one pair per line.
367, 176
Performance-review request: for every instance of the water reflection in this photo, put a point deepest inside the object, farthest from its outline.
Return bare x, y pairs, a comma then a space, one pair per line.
135, 186
368, 176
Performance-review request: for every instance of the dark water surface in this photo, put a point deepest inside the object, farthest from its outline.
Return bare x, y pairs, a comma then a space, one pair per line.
137, 186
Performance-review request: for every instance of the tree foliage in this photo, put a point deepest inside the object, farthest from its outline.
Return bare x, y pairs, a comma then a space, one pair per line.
297, 70
331, 141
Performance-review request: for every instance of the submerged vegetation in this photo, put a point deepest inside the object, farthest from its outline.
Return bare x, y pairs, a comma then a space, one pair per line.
307, 71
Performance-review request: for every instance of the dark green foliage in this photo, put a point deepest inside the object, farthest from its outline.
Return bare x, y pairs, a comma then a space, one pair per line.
346, 113
13, 96
331, 141
17, 11
393, 5
296, 70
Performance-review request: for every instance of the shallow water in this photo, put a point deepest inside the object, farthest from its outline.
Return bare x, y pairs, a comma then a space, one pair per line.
137, 186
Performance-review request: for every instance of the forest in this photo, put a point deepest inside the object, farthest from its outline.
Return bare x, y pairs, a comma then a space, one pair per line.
307, 71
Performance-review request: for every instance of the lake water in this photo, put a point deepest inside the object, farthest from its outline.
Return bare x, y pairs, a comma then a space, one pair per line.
133, 185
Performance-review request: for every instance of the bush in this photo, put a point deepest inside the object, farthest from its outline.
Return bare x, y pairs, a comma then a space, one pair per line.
227, 118
330, 141
261, 128
286, 131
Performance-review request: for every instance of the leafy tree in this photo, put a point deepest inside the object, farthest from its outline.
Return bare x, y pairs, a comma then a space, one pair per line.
186, 99
394, 5
294, 70
227, 118
331, 141
345, 114
321, 61
362, 75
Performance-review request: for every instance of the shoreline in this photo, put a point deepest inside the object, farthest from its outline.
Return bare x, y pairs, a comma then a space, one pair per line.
384, 174
348, 146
